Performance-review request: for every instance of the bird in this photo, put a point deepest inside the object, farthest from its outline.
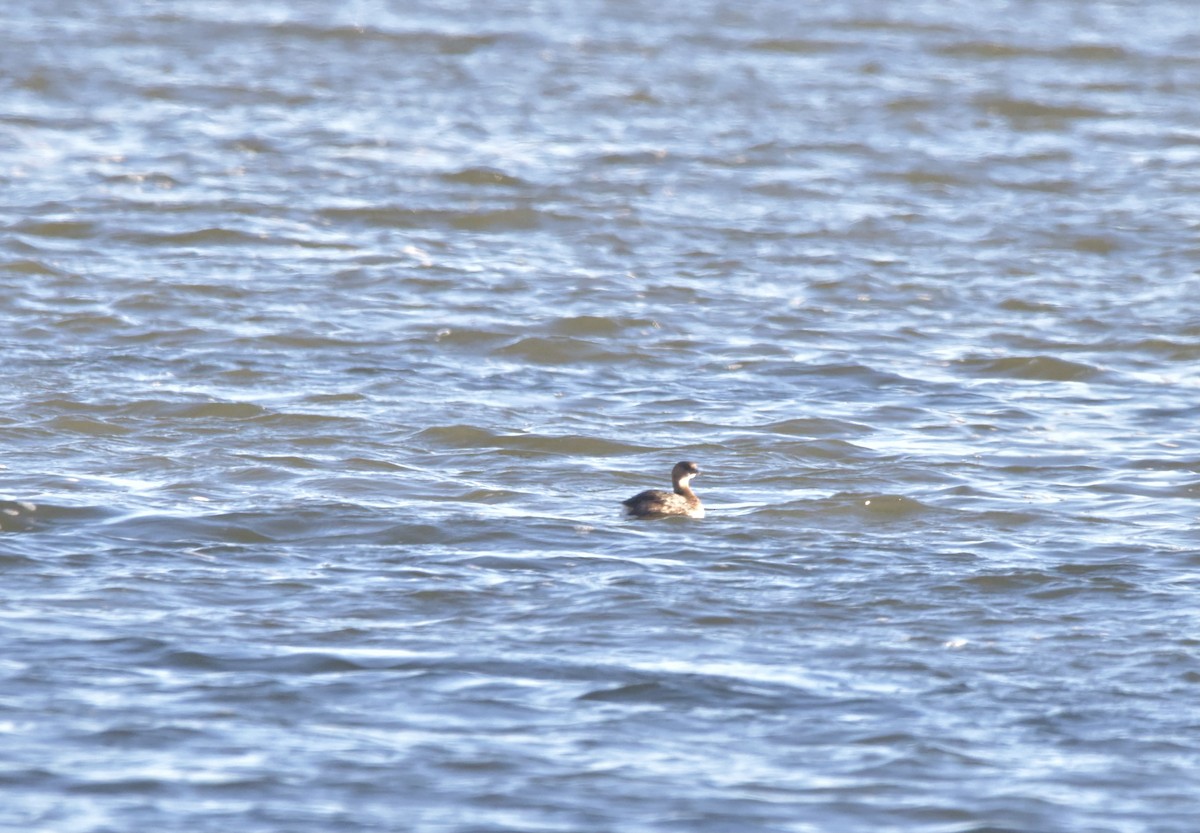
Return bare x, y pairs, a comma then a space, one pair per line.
654, 503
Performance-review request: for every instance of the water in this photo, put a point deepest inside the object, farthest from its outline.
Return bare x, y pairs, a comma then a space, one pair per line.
334, 334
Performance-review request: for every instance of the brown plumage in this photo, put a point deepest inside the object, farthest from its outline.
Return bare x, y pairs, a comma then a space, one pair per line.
683, 501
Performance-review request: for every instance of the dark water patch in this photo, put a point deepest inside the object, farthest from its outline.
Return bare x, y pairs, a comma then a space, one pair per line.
880, 507
199, 237
472, 338
597, 325
816, 427
863, 375
567, 351
1098, 244
799, 46
491, 496
635, 158
367, 464
1105, 587
1101, 53
1175, 350
1025, 111
276, 462
1032, 368
302, 340
1013, 581
22, 515
305, 34
889, 505
89, 427
841, 451
56, 229
181, 336
925, 177
510, 563
155, 179
456, 436
984, 49
121, 786
288, 664
516, 218
1184, 463
31, 267
236, 411
399, 538
91, 323
308, 425
478, 439
1028, 305
1009, 519
336, 398
184, 532
697, 692
482, 176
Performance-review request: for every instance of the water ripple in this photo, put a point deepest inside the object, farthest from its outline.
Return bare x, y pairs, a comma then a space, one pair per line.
335, 337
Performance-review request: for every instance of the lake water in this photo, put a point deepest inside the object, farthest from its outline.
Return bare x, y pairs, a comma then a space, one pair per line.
335, 333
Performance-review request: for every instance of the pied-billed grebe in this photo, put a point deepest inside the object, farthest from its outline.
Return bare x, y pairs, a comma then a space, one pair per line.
655, 504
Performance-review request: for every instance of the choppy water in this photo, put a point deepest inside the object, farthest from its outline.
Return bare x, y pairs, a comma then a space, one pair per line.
334, 334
